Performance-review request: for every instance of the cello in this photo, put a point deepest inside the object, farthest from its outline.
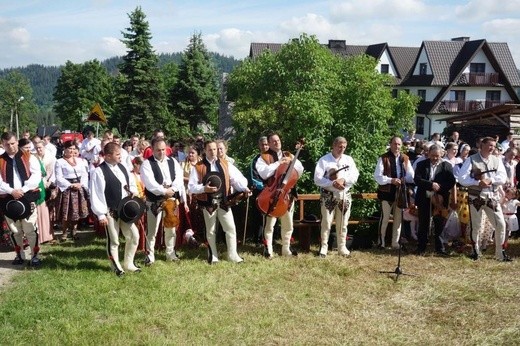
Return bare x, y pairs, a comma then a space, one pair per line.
275, 199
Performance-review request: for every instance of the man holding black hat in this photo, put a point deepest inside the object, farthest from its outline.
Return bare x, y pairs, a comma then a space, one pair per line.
20, 175
210, 182
164, 182
111, 202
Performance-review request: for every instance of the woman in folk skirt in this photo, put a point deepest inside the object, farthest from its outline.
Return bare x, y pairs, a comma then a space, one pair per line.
72, 180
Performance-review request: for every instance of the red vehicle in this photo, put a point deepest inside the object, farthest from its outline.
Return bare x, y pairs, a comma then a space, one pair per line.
69, 136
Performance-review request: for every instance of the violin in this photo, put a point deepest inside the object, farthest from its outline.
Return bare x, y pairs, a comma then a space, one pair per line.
477, 173
275, 199
333, 174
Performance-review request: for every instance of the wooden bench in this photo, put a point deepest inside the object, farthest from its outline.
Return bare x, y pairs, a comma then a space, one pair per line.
305, 229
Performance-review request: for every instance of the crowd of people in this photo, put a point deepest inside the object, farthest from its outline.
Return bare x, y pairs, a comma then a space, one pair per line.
474, 187
162, 194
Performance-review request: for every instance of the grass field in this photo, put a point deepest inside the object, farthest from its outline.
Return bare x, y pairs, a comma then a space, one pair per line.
74, 299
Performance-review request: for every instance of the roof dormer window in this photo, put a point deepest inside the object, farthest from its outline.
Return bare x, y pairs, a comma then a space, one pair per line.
423, 68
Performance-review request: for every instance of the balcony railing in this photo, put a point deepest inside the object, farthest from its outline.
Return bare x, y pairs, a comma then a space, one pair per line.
463, 106
478, 78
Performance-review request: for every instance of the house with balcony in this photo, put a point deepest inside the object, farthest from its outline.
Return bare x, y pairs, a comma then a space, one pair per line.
453, 77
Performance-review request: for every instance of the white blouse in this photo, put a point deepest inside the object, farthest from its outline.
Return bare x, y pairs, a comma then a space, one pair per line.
64, 170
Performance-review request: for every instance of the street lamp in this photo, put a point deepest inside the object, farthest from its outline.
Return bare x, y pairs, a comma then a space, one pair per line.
16, 115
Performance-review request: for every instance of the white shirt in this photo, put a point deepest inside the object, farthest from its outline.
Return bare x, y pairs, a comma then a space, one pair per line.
268, 170
236, 178
51, 149
382, 179
497, 178
98, 183
327, 163
90, 148
63, 171
30, 184
158, 189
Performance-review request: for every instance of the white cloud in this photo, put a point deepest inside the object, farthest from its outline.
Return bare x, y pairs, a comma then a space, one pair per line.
478, 10
231, 42
359, 10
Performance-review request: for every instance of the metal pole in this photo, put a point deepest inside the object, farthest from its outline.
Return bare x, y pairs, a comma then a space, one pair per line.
11, 123
17, 128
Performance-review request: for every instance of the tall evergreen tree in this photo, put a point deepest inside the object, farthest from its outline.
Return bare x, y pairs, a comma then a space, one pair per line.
195, 97
141, 101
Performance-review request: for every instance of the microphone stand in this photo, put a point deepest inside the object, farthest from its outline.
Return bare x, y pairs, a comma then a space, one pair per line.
398, 271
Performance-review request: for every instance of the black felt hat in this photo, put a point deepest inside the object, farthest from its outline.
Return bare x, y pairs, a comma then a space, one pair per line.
215, 179
130, 209
17, 209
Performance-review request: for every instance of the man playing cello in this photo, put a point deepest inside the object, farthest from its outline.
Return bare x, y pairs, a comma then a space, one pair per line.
267, 166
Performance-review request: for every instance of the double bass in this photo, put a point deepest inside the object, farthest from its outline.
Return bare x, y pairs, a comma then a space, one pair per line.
275, 199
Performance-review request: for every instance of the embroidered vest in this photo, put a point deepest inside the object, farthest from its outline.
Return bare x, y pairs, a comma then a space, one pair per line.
21, 159
202, 168
387, 192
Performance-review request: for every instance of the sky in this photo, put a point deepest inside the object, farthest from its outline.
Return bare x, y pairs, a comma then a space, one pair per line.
52, 32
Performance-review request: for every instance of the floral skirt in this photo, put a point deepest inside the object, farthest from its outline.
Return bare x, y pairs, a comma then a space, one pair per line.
72, 205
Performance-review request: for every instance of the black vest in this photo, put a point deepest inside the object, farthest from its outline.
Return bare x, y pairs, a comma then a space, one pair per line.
157, 174
31, 196
113, 185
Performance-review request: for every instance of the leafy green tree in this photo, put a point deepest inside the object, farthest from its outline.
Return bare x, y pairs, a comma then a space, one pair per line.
79, 88
16, 103
141, 99
195, 97
304, 90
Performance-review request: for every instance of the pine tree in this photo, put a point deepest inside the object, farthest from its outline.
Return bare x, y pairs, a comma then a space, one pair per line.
141, 106
195, 97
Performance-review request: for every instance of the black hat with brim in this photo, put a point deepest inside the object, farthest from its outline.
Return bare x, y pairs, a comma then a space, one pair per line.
17, 209
130, 209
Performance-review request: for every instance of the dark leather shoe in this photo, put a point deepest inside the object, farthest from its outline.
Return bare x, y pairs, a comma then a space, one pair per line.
442, 253
35, 262
474, 256
147, 261
506, 259
18, 260
119, 273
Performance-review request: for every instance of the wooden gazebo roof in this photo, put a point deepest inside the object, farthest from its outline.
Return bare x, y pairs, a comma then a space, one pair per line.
507, 115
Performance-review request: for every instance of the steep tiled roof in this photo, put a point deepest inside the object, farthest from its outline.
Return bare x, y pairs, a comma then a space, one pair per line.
355, 50
505, 59
465, 55
376, 50
441, 55
257, 48
404, 58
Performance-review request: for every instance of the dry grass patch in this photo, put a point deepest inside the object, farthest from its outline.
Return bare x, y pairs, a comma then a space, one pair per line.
75, 299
